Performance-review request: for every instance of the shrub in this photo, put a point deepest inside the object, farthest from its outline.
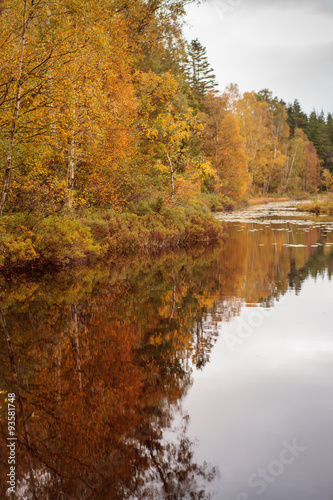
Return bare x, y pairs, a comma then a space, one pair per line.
316, 207
16, 241
57, 240
62, 239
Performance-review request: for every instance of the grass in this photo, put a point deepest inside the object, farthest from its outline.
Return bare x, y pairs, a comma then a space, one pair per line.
264, 199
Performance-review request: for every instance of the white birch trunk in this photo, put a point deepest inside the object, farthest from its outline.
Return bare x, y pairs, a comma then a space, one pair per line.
17, 104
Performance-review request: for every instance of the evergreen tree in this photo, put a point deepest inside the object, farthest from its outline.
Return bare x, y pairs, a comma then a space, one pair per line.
296, 117
325, 150
266, 95
329, 126
320, 132
312, 129
198, 70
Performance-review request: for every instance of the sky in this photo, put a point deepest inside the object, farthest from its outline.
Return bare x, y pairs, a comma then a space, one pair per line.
283, 45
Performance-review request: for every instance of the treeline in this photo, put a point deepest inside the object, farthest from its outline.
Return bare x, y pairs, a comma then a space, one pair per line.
317, 127
105, 107
255, 142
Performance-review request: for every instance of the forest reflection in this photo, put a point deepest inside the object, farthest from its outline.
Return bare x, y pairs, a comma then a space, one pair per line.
101, 357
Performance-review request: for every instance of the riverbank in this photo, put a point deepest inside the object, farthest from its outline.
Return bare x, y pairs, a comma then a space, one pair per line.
27, 240
318, 207
264, 199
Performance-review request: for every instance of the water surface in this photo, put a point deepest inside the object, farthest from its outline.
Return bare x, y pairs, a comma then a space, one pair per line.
202, 374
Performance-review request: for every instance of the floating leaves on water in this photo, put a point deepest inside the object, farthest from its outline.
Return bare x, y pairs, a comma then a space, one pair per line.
294, 245
291, 229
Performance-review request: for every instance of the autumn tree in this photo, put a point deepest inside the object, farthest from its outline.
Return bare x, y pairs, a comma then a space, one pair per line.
69, 100
311, 175
328, 180
261, 145
302, 167
225, 148
52, 115
25, 61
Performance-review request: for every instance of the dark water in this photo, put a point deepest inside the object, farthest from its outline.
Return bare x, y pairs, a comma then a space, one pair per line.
194, 375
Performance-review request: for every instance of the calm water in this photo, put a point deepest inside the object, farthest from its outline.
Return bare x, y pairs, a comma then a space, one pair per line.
193, 375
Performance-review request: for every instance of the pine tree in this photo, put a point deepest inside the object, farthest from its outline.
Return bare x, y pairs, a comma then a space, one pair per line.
329, 131
329, 125
296, 117
318, 131
312, 129
198, 70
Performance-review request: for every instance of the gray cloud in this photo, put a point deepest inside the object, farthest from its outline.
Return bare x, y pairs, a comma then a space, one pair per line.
283, 45
324, 6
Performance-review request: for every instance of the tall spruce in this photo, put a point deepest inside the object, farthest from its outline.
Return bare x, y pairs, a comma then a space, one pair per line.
296, 117
198, 70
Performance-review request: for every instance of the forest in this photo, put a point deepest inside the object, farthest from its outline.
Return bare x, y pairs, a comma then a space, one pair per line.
115, 139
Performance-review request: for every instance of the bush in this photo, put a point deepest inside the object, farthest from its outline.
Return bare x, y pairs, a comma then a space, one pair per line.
63, 239
213, 202
57, 240
16, 241
317, 207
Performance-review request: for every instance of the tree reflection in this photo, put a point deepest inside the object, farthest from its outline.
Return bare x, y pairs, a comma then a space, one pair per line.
174, 474
100, 359
100, 370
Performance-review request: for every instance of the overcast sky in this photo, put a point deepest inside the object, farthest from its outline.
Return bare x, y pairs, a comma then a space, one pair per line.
283, 45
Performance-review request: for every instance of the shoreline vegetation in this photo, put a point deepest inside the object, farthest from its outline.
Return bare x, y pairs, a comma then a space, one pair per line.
115, 139
58, 240
319, 207
262, 200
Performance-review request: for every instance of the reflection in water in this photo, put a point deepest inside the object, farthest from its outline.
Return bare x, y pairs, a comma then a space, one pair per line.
98, 361
101, 358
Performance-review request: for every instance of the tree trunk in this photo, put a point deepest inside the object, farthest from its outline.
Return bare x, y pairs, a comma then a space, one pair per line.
71, 149
71, 170
268, 182
173, 299
291, 167
8, 169
172, 178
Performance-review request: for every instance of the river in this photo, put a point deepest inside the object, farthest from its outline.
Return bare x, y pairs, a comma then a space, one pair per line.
190, 375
